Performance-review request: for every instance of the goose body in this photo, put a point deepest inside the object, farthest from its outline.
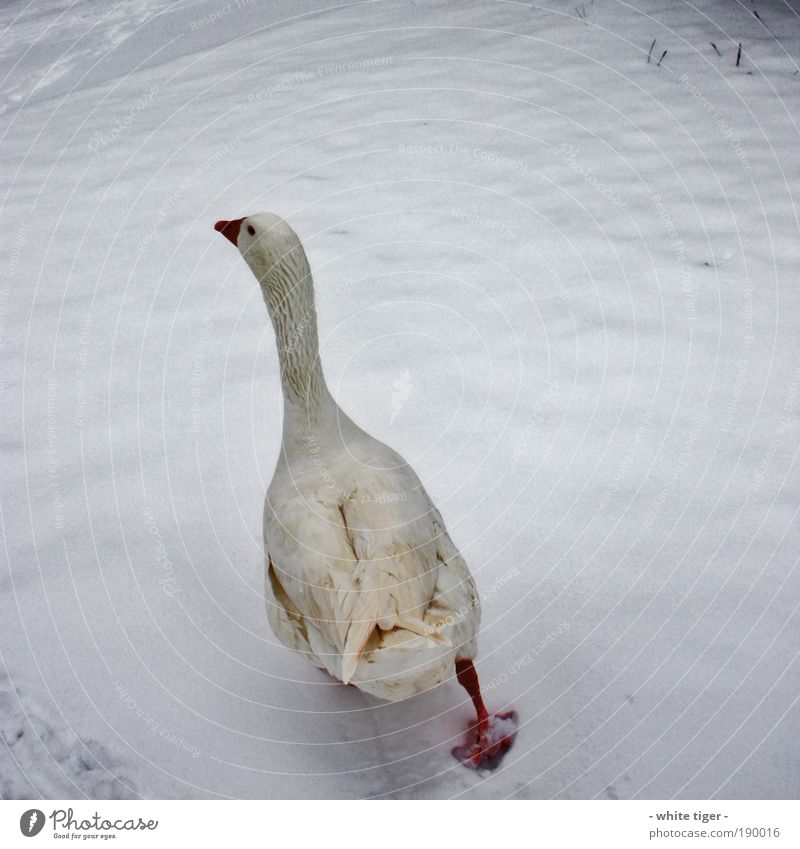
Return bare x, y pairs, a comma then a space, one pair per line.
362, 577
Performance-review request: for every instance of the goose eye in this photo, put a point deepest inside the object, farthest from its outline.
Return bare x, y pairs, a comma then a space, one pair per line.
251, 230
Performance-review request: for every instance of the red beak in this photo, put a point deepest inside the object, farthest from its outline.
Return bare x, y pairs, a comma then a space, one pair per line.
230, 230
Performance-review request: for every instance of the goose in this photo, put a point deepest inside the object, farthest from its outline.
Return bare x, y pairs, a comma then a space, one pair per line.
362, 577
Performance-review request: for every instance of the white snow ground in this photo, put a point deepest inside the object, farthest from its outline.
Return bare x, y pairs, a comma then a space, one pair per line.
561, 279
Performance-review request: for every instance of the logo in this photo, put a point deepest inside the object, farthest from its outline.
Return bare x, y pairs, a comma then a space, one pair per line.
401, 389
31, 822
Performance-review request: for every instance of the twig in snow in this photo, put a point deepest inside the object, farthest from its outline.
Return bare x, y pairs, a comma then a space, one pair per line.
650, 51
738, 54
716, 49
658, 65
763, 24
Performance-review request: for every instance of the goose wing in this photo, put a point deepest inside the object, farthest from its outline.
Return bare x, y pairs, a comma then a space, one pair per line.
397, 562
370, 563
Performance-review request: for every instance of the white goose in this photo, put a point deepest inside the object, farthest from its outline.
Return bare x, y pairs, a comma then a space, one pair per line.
362, 577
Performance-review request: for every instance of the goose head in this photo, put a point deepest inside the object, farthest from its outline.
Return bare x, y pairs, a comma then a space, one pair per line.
275, 256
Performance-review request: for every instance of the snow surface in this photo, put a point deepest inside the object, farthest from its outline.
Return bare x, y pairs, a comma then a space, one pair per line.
561, 279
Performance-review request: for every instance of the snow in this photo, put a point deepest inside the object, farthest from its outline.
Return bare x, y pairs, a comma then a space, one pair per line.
559, 278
